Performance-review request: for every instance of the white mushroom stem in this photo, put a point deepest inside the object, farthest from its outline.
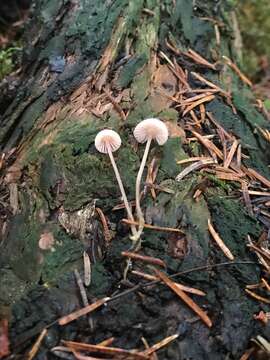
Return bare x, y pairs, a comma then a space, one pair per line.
122, 190
138, 186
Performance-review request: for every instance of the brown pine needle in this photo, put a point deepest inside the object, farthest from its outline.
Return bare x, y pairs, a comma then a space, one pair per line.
184, 297
122, 205
180, 286
266, 284
230, 156
32, 353
195, 166
247, 353
192, 159
199, 59
81, 312
80, 356
120, 353
258, 193
145, 343
195, 98
228, 177
257, 297
116, 105
219, 241
152, 227
256, 175
236, 69
204, 81
195, 119
107, 342
144, 258
107, 234
213, 150
247, 197
198, 102
203, 112
160, 345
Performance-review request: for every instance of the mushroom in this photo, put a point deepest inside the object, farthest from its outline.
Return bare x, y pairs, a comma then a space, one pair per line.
146, 131
107, 141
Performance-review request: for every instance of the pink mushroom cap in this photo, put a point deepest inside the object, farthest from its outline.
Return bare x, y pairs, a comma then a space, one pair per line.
107, 139
153, 129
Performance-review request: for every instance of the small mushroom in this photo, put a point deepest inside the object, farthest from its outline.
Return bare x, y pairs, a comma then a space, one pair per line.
146, 131
107, 141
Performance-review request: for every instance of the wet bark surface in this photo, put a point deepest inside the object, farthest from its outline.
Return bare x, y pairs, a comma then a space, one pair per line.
88, 65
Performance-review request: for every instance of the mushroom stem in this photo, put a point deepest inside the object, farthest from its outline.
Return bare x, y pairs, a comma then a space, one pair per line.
138, 185
122, 190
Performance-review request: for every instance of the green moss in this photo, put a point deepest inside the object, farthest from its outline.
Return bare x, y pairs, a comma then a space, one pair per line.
66, 251
255, 27
100, 280
231, 221
6, 60
172, 152
131, 69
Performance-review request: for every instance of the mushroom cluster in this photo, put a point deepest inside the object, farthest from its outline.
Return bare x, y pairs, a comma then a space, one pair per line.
107, 141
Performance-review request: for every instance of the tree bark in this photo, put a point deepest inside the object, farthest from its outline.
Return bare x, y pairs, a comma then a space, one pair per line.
89, 65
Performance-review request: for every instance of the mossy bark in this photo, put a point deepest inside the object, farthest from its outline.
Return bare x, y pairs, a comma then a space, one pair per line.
76, 52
